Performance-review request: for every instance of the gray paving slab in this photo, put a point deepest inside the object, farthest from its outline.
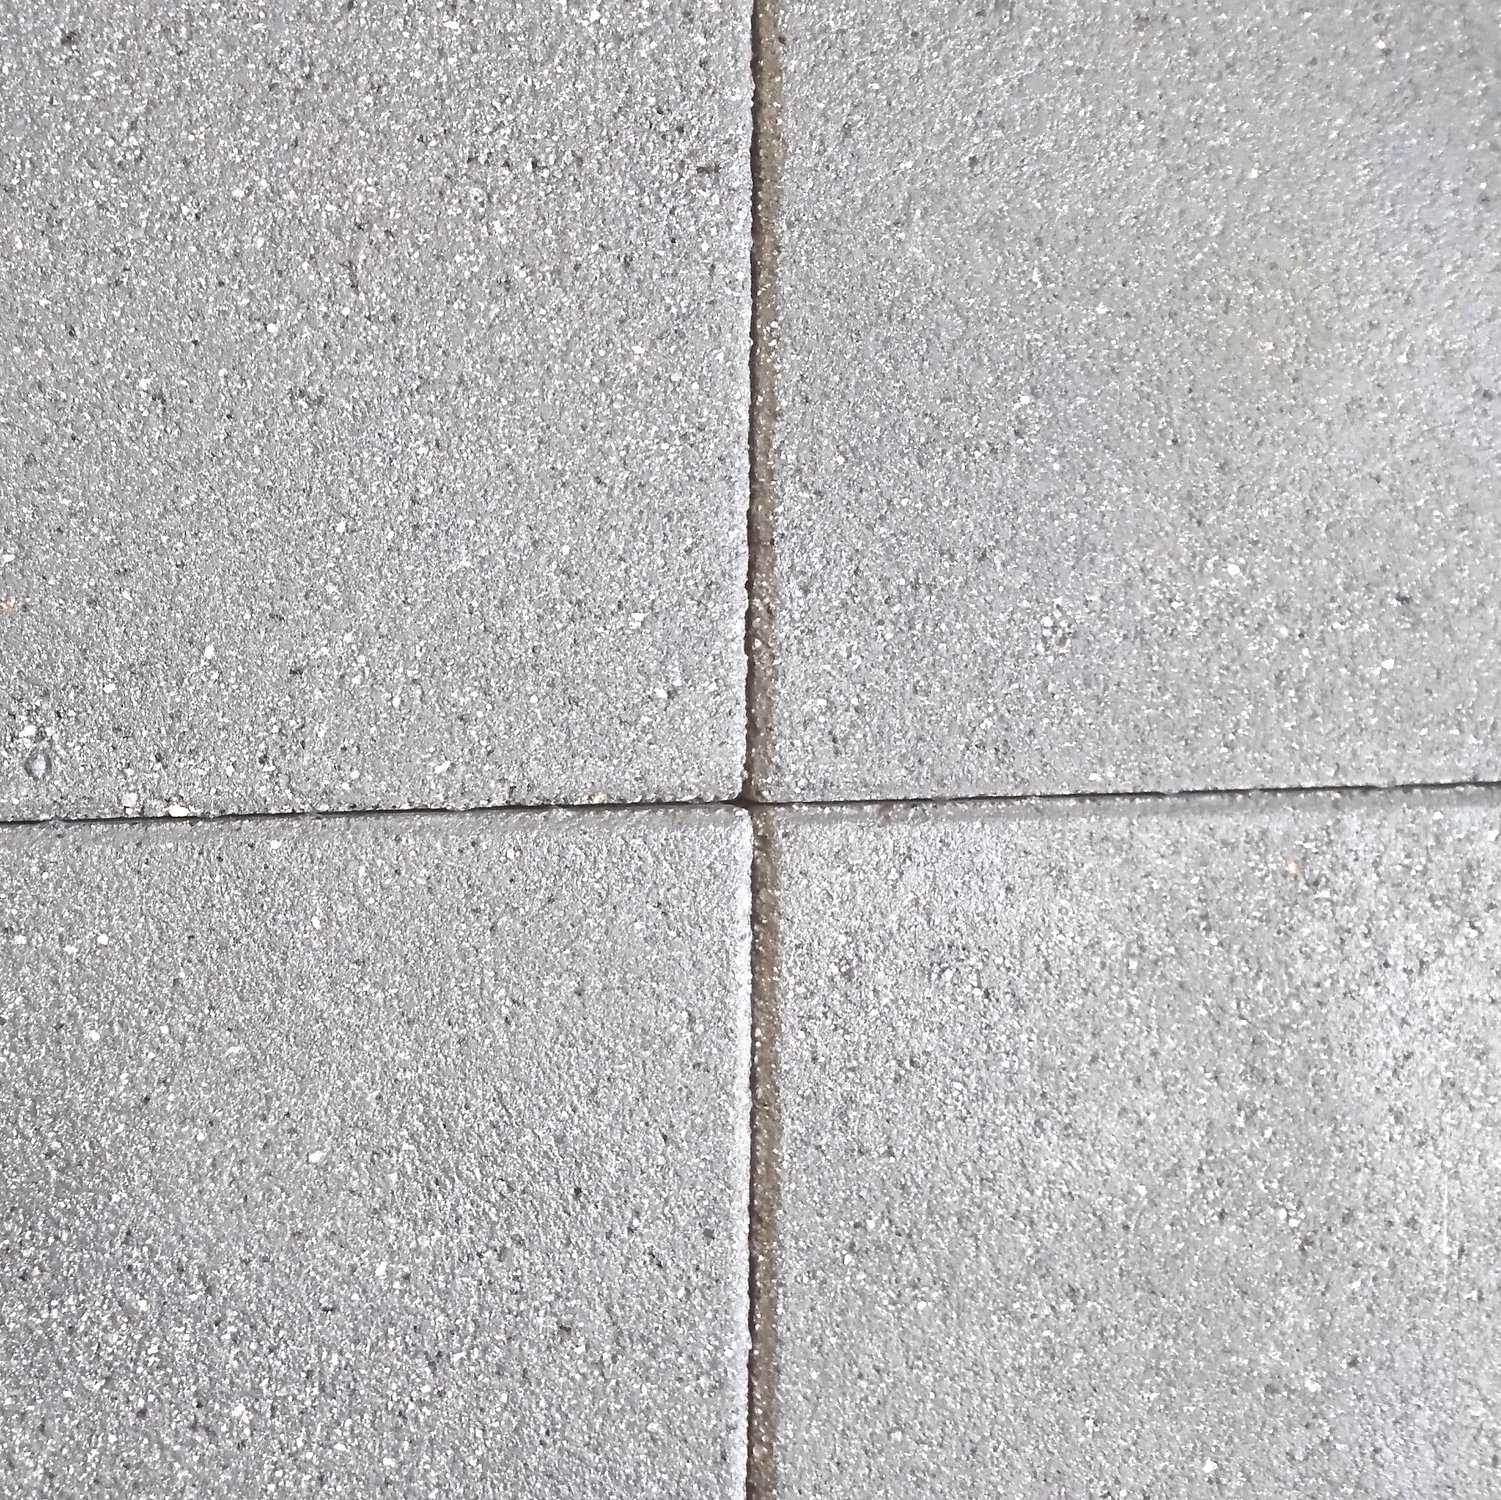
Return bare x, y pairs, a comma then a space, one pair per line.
1140, 1154
374, 384
1134, 379
374, 1157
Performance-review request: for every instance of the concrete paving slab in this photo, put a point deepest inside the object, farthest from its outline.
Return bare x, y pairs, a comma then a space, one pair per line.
374, 384
1140, 1153
1134, 378
375, 1157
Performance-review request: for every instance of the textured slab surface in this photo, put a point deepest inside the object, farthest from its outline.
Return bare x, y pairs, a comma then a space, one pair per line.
1141, 1154
1135, 375
374, 1158
374, 403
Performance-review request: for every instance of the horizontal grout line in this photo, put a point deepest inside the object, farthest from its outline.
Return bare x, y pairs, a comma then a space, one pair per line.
1190, 795
351, 814
977, 802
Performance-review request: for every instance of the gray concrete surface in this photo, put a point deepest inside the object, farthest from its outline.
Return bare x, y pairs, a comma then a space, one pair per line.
374, 385
374, 391
1135, 396
376, 1157
1140, 1152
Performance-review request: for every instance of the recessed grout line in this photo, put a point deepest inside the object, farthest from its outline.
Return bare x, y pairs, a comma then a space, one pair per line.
193, 818
974, 801
765, 1164
764, 1102
1128, 796
761, 416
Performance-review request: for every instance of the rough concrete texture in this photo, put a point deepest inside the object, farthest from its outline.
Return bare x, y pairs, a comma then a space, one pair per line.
1141, 1153
1134, 383
374, 1158
374, 383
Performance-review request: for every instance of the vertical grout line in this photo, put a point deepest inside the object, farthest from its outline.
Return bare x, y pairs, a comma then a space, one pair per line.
765, 1117
765, 1163
765, 165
